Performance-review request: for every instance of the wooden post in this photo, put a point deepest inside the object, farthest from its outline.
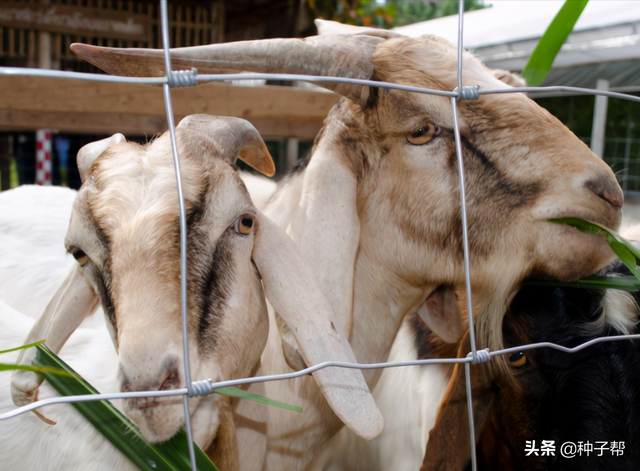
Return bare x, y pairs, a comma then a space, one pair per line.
44, 47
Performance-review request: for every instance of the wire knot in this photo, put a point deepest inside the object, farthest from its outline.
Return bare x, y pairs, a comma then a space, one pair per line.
482, 356
182, 78
200, 388
468, 93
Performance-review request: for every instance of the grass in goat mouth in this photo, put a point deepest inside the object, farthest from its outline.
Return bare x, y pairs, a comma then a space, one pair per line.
172, 455
625, 250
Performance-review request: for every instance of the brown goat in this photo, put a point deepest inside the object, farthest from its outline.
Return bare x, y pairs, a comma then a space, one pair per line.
376, 209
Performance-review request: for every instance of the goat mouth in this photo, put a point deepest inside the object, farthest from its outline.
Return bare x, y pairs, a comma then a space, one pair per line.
151, 402
609, 222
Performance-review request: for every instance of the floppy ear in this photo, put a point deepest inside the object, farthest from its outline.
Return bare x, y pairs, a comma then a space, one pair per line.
292, 290
327, 230
74, 300
441, 313
509, 78
448, 447
88, 154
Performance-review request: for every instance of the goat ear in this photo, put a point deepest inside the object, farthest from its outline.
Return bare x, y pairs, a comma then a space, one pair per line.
441, 313
326, 228
292, 290
509, 78
235, 138
88, 154
74, 300
448, 446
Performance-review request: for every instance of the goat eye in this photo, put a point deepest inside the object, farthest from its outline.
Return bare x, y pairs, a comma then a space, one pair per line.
243, 224
423, 135
518, 359
80, 257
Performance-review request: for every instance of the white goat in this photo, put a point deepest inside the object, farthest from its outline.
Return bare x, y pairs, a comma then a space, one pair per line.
26, 442
376, 209
123, 233
33, 223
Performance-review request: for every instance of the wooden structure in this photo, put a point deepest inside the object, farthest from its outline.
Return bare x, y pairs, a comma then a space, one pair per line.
96, 107
38, 33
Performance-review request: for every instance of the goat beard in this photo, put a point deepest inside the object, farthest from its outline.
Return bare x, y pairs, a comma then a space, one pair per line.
206, 419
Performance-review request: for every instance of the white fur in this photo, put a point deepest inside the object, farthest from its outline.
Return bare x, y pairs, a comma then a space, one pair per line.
408, 398
33, 264
26, 442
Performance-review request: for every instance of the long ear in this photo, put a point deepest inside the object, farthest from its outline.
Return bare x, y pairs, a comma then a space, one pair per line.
441, 313
509, 78
74, 300
292, 290
326, 228
88, 154
236, 138
448, 446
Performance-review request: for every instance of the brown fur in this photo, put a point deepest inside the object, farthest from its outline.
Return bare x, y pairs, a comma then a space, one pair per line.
522, 167
224, 449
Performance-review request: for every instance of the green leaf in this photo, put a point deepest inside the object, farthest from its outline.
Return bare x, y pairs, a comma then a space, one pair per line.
242, 394
35, 369
544, 54
115, 427
23, 347
625, 250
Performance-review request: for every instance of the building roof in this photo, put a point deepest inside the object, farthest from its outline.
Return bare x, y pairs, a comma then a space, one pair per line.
504, 35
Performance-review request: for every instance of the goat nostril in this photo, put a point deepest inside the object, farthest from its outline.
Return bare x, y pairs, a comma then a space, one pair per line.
172, 380
607, 191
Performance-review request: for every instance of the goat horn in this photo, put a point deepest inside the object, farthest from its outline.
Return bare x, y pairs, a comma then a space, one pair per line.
235, 137
332, 56
88, 154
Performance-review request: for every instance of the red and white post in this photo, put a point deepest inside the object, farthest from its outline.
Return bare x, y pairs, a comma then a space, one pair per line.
43, 157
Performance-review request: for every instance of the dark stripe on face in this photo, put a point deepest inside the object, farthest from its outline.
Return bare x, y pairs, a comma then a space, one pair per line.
106, 299
210, 274
494, 184
215, 292
103, 278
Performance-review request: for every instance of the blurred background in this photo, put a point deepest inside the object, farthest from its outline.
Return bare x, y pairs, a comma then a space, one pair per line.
44, 121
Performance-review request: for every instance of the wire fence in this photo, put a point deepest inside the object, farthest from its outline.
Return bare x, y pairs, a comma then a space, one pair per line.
174, 79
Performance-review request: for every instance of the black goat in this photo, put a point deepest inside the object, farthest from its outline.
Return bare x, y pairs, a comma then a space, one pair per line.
585, 404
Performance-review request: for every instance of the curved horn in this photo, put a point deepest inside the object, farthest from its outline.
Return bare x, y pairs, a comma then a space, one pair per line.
88, 154
236, 138
332, 56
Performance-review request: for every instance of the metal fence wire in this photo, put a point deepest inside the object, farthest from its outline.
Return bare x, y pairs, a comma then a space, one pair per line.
186, 78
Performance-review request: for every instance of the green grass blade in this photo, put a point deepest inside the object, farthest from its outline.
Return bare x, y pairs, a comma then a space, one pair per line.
625, 250
544, 54
22, 347
35, 369
242, 394
115, 427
